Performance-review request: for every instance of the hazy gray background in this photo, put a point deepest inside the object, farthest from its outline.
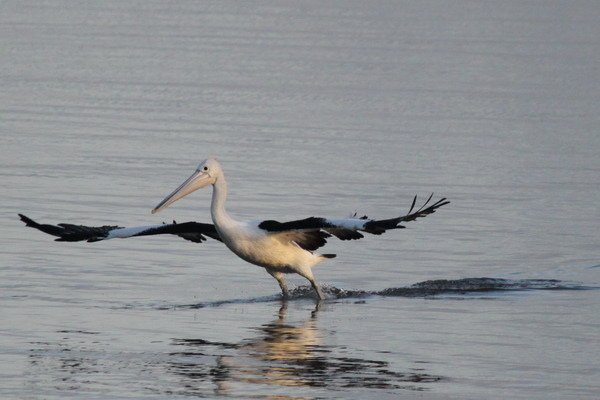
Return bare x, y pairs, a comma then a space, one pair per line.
313, 109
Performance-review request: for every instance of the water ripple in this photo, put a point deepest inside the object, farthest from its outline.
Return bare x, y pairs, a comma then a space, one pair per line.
428, 288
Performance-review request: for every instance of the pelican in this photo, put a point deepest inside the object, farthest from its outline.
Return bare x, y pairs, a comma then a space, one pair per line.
278, 247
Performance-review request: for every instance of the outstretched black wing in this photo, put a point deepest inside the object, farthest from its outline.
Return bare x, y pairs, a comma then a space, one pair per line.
312, 233
193, 231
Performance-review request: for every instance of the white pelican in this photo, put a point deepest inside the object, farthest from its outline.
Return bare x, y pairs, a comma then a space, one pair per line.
279, 247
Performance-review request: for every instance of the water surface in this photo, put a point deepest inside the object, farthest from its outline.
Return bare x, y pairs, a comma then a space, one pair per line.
314, 109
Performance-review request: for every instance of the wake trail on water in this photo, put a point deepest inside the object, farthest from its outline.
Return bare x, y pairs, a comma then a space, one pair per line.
430, 288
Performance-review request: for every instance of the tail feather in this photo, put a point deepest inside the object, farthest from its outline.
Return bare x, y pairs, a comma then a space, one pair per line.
328, 255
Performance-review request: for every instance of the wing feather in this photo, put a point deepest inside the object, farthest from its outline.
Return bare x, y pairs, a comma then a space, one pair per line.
308, 240
344, 234
192, 231
306, 230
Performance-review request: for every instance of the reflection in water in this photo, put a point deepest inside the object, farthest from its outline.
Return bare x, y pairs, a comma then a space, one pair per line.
286, 355
285, 360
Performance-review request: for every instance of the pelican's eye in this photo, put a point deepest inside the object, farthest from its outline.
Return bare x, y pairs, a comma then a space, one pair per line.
205, 168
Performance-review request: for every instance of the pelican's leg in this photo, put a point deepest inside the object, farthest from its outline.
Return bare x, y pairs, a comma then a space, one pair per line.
278, 275
307, 273
318, 289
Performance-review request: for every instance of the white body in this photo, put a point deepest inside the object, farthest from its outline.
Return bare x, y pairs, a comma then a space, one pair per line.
272, 251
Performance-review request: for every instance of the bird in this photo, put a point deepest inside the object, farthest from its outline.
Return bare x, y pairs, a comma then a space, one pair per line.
278, 247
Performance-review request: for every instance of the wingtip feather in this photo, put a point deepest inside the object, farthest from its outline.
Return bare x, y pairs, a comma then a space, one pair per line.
412, 206
28, 221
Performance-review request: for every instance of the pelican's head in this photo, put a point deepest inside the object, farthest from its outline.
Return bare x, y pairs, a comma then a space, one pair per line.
206, 174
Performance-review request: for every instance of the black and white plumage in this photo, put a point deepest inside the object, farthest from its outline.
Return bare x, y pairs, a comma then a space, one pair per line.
192, 231
279, 247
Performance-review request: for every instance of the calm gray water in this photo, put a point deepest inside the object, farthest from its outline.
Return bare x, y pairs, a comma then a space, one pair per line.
313, 109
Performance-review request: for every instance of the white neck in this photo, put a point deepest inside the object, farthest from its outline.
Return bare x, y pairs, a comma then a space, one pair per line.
220, 217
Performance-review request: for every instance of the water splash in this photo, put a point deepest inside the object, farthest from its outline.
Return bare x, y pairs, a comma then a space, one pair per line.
477, 285
428, 288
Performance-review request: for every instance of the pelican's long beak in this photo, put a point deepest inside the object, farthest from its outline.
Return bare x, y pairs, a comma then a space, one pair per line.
199, 179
